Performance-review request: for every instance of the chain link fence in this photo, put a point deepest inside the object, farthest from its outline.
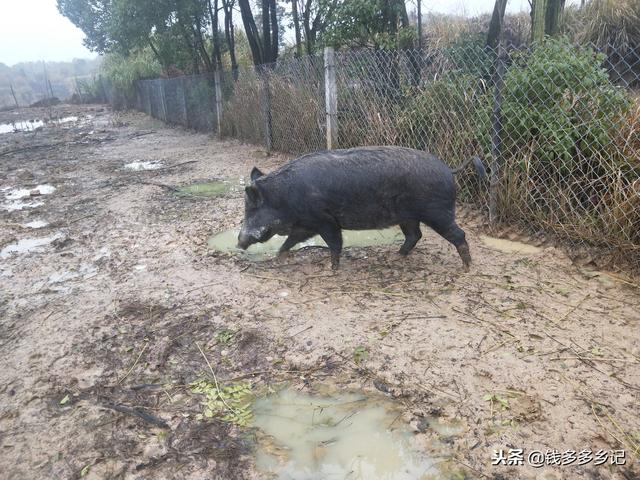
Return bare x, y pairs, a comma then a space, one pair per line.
189, 101
557, 125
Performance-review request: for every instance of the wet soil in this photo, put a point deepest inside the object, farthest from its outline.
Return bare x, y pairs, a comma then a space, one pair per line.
103, 330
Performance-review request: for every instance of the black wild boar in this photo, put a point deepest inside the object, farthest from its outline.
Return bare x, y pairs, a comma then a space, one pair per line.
355, 189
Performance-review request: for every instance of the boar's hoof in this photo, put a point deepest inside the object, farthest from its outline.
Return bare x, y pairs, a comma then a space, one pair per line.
284, 254
335, 262
463, 251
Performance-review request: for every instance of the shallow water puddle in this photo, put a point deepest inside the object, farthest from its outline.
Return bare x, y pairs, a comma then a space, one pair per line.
21, 126
27, 245
35, 224
138, 166
227, 241
341, 436
20, 205
206, 189
31, 125
17, 197
20, 193
509, 246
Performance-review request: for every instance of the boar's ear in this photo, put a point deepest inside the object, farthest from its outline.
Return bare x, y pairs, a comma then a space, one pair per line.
256, 174
253, 193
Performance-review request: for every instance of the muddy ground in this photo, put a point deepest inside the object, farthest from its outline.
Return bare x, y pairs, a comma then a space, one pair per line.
101, 331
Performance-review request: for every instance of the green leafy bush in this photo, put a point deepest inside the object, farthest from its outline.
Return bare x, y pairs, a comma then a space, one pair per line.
559, 105
448, 117
123, 71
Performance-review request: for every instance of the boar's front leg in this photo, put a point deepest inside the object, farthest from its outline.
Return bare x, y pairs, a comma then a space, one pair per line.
332, 235
296, 236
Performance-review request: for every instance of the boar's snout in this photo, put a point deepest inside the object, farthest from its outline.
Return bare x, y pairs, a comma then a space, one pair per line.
244, 241
246, 238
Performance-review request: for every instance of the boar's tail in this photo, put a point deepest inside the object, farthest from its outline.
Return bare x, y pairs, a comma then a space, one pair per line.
477, 163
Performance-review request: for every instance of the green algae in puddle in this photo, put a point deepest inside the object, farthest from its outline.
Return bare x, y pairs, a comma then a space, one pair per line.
226, 242
344, 435
206, 189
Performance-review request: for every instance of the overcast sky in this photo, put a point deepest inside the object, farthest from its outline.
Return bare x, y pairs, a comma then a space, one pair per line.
34, 29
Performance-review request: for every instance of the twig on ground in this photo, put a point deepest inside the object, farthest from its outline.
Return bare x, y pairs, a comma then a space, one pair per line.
137, 412
215, 381
134, 363
161, 185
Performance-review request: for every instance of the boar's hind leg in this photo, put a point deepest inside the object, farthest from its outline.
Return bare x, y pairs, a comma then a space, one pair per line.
412, 234
454, 234
295, 237
332, 235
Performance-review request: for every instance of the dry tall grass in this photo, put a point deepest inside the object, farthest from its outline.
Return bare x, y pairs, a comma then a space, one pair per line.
611, 25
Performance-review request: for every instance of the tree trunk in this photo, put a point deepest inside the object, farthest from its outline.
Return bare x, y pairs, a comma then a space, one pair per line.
199, 41
266, 32
312, 28
306, 22
404, 15
229, 33
296, 26
252, 31
496, 25
419, 22
192, 48
156, 53
553, 17
538, 14
275, 37
215, 38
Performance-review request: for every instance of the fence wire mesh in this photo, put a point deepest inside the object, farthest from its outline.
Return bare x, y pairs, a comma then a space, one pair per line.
188, 101
557, 125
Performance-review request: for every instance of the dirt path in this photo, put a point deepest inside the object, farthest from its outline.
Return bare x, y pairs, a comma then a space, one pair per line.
101, 329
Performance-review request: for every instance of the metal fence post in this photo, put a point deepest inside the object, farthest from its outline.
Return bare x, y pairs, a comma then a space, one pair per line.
147, 90
331, 97
218, 92
164, 100
496, 133
183, 102
266, 107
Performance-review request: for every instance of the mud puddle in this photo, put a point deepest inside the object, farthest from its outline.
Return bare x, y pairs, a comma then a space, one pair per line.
35, 224
140, 166
22, 126
16, 198
343, 435
20, 193
509, 246
226, 242
27, 245
32, 125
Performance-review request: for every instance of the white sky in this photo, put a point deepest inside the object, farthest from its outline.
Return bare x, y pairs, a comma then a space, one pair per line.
33, 30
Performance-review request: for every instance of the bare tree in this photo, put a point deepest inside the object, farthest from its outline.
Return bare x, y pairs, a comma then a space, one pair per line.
296, 26
497, 22
215, 38
315, 16
229, 33
263, 49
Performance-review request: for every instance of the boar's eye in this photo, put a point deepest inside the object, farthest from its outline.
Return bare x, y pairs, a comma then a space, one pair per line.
253, 194
255, 174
